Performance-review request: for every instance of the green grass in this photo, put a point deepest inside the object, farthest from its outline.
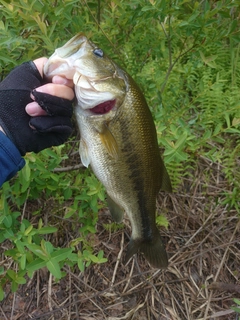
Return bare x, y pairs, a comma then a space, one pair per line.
185, 57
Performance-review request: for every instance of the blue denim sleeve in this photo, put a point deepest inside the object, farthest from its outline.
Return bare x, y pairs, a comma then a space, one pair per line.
10, 159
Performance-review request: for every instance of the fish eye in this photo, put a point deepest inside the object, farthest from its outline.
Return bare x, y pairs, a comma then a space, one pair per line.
98, 52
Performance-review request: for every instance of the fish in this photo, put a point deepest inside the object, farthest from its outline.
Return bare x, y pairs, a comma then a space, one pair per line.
118, 140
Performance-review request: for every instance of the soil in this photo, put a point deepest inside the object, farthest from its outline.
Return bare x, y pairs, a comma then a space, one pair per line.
200, 283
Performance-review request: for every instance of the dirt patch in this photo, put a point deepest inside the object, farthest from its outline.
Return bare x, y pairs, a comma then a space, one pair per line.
203, 277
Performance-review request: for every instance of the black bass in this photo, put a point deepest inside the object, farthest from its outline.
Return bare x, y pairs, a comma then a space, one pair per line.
118, 140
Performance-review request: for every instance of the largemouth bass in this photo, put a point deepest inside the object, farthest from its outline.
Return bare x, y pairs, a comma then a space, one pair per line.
118, 140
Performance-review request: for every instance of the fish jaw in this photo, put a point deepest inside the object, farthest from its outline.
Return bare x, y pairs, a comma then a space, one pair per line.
97, 81
62, 60
99, 84
90, 94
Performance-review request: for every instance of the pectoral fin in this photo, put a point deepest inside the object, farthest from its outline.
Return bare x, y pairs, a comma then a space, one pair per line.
84, 155
116, 211
109, 141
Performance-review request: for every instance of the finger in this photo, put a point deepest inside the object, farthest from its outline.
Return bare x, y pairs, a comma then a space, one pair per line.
34, 110
55, 124
56, 79
58, 90
53, 105
61, 80
39, 63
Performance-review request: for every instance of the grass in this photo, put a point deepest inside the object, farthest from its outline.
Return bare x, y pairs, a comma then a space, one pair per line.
185, 56
200, 283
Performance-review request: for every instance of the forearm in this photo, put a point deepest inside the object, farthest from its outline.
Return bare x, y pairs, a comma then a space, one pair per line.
10, 159
33, 115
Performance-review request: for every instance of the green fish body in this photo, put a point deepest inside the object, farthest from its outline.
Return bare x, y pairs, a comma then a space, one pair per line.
118, 141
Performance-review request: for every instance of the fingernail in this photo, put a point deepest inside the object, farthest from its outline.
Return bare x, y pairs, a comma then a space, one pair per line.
59, 80
39, 89
33, 109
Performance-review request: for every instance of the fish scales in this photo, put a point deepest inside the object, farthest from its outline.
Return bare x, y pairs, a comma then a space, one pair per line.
120, 144
126, 179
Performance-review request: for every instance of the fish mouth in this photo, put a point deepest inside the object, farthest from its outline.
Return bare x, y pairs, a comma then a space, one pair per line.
92, 99
104, 107
96, 86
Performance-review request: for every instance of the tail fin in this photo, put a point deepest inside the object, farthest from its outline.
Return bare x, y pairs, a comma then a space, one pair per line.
153, 251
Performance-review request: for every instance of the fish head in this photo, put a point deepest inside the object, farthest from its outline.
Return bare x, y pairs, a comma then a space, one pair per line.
100, 85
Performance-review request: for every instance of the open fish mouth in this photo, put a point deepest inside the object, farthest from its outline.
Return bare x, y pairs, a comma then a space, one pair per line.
104, 107
90, 98
98, 89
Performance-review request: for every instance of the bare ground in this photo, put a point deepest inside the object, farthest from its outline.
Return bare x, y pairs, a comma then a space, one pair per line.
203, 277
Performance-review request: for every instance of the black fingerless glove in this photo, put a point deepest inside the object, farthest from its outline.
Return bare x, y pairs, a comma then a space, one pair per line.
32, 133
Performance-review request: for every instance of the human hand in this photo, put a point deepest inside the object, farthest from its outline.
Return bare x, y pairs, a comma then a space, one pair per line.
35, 119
